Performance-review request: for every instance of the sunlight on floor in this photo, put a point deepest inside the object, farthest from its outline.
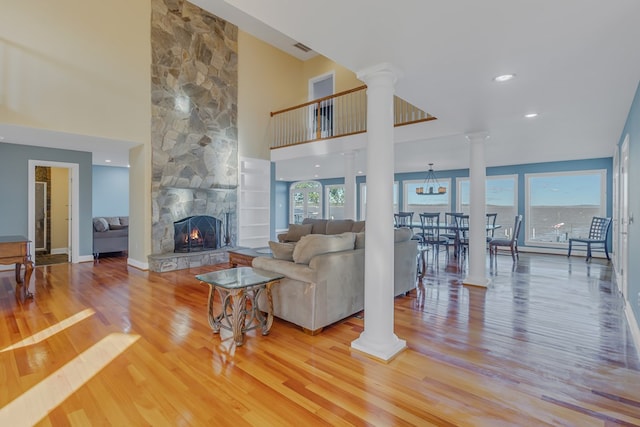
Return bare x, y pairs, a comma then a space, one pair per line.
52, 330
36, 403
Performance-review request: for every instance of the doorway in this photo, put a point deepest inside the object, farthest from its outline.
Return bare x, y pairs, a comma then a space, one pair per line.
623, 246
52, 208
321, 114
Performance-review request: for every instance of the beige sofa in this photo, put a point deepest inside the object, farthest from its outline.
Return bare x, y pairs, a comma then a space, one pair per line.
330, 286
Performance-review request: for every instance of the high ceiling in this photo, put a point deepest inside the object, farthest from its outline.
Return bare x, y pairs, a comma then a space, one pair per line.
577, 65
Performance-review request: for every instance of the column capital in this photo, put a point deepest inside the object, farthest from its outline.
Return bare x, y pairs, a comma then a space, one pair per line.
477, 136
371, 75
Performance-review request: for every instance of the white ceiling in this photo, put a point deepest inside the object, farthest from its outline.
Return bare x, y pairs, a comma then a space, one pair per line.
577, 64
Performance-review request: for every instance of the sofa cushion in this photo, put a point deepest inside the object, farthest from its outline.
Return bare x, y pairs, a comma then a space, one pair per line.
282, 250
401, 234
112, 220
315, 244
319, 225
100, 224
339, 226
296, 231
117, 227
358, 226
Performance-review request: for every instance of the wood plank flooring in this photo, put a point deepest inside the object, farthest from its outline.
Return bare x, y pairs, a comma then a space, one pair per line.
106, 344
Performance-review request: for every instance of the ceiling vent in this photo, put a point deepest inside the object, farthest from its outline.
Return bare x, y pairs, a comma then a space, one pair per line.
302, 47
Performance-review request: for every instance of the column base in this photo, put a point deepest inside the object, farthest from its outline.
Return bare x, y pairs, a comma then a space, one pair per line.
481, 282
383, 353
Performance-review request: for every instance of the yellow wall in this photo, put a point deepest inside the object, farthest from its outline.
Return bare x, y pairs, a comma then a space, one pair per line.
268, 80
82, 67
59, 208
76, 66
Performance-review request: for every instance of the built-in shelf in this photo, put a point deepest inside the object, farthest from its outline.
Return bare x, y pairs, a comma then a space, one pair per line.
254, 202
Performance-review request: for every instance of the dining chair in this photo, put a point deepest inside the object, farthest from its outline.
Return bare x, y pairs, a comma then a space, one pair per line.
430, 237
450, 219
463, 233
403, 219
491, 225
511, 243
597, 238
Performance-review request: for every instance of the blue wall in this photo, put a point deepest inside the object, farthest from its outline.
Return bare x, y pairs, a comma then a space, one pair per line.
632, 128
110, 191
14, 191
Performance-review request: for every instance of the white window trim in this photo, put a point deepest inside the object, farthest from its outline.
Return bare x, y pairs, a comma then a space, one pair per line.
327, 205
527, 201
293, 189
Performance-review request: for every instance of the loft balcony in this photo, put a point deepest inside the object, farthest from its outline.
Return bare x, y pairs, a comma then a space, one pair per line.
338, 115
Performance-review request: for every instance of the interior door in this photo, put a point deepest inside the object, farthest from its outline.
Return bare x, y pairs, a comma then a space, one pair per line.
41, 216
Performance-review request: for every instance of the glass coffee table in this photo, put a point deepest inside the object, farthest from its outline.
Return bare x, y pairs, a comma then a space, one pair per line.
239, 289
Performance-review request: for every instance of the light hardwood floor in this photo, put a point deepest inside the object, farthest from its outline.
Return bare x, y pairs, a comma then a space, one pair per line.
106, 344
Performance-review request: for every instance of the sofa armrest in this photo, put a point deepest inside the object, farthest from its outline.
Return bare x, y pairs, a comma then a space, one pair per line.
405, 272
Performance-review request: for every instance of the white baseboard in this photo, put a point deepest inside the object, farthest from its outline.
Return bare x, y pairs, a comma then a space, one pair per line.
137, 264
85, 258
633, 325
559, 251
7, 267
59, 251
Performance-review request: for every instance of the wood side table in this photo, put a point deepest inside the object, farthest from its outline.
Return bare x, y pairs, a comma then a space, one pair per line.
244, 256
15, 250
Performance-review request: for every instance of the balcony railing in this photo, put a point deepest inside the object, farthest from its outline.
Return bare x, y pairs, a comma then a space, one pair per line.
341, 114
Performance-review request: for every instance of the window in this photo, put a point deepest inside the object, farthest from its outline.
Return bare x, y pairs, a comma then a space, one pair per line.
335, 201
501, 198
561, 205
426, 203
305, 201
363, 199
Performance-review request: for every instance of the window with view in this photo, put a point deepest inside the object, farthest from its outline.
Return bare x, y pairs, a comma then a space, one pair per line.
363, 199
335, 201
419, 203
501, 198
305, 201
561, 205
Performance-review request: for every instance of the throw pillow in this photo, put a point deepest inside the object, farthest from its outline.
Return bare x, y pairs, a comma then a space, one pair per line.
315, 244
124, 220
296, 231
112, 220
282, 250
100, 224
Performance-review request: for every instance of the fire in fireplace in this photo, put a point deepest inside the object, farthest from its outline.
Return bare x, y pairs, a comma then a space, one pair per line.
197, 233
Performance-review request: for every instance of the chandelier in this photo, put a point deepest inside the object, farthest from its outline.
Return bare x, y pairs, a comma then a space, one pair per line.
431, 186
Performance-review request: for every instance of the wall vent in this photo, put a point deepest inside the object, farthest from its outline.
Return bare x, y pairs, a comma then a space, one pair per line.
302, 47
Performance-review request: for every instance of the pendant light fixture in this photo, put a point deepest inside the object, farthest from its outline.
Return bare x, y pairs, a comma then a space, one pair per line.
431, 186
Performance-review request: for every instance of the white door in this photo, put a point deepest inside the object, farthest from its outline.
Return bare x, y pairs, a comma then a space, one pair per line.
321, 114
624, 215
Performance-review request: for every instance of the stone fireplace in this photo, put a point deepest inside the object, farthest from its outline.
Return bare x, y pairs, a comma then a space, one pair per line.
194, 130
197, 233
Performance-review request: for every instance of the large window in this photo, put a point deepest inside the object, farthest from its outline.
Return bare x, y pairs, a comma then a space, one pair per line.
363, 199
561, 205
335, 201
427, 202
501, 198
306, 201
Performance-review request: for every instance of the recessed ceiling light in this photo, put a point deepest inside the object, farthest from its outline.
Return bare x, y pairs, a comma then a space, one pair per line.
315, 176
107, 161
503, 78
317, 166
360, 172
531, 115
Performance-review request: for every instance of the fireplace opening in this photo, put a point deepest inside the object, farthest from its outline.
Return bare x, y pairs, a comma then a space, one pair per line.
197, 233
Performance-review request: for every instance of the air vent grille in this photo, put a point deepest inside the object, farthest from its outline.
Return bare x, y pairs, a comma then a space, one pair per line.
302, 47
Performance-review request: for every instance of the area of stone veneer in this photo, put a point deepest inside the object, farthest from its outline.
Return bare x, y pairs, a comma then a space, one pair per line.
194, 118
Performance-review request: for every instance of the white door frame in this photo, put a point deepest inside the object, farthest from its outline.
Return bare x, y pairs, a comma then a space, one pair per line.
74, 173
624, 217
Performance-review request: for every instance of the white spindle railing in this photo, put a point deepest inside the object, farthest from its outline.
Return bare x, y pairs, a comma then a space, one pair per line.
341, 114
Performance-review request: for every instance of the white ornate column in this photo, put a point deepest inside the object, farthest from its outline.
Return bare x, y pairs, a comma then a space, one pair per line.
349, 185
477, 274
378, 339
